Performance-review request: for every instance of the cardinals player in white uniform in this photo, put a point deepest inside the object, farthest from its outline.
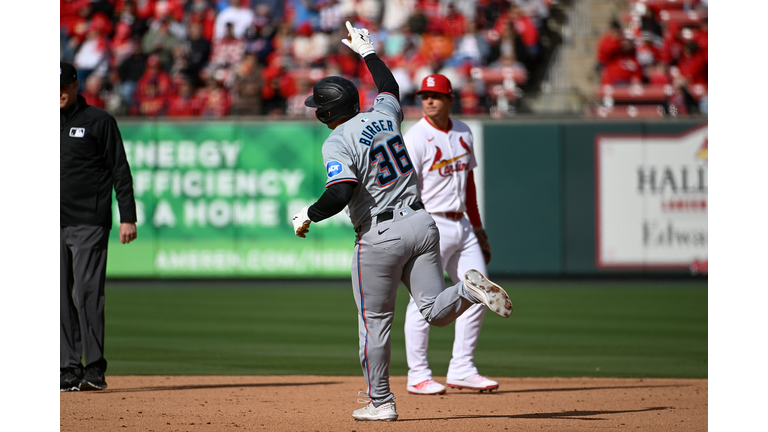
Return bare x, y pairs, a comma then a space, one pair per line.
441, 149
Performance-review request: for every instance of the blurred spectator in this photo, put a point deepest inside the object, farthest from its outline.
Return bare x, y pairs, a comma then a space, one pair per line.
123, 45
125, 13
216, 101
279, 85
239, 14
368, 13
646, 51
150, 102
672, 47
93, 91
246, 90
471, 101
436, 45
129, 72
295, 105
622, 67
331, 16
160, 42
309, 47
202, 12
259, 42
508, 46
455, 23
92, 56
199, 51
609, 44
527, 30
144, 9
66, 48
701, 37
536, 10
225, 54
649, 24
396, 13
155, 77
184, 102
657, 74
693, 64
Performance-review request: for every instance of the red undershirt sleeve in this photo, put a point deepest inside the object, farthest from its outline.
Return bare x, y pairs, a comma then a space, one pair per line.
472, 211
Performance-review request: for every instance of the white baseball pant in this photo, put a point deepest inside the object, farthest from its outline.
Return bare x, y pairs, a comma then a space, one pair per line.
459, 252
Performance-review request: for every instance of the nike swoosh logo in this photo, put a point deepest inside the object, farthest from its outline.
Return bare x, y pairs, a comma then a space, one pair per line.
430, 139
446, 162
383, 231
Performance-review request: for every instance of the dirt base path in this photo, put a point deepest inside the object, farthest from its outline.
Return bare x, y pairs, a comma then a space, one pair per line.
325, 403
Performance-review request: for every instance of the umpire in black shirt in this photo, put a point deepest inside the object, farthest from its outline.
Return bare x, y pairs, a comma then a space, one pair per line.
92, 161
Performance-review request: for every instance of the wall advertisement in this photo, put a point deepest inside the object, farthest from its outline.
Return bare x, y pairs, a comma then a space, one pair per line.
216, 200
651, 201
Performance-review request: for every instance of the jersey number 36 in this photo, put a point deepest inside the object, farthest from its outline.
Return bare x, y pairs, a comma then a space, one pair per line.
383, 155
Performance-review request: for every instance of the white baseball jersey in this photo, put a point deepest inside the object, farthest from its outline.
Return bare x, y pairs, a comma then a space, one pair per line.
443, 160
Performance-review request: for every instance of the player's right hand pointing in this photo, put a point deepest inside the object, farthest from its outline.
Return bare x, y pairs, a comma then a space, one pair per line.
359, 41
301, 223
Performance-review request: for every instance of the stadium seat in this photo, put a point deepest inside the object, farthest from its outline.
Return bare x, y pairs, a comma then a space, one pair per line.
493, 76
629, 111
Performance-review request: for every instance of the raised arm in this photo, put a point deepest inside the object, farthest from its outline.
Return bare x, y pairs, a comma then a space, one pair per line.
360, 42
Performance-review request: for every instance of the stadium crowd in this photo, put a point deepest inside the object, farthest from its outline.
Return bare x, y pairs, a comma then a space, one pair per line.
661, 44
216, 58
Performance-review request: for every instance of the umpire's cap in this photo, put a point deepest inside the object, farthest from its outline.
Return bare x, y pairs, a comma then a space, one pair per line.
334, 97
67, 73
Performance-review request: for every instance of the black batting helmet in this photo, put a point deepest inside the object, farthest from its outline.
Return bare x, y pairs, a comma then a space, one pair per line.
334, 97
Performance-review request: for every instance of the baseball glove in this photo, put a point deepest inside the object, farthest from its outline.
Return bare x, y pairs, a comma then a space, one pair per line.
482, 238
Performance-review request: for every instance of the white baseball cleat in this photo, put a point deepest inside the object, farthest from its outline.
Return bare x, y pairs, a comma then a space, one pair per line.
383, 412
427, 387
488, 293
473, 382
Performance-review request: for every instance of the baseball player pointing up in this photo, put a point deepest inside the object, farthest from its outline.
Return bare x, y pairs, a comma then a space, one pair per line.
371, 174
441, 149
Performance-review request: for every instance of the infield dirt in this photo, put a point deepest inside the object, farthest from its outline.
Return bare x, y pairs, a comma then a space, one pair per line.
325, 403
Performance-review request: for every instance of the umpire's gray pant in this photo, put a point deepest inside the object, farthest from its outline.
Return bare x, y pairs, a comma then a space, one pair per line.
405, 248
83, 270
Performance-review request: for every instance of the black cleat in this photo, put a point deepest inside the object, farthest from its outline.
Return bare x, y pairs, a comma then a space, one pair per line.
93, 380
69, 380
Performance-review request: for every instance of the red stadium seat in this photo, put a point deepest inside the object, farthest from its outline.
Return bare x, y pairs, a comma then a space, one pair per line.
493, 76
682, 17
629, 111
662, 4
644, 93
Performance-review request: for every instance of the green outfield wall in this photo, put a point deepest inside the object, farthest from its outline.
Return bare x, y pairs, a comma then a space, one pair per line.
215, 199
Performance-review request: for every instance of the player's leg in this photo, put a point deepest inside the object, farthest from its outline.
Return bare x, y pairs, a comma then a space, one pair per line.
423, 276
376, 273
469, 324
416, 327
70, 346
89, 261
416, 331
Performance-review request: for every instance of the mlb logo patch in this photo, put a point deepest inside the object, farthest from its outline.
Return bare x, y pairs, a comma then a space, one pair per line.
333, 168
77, 132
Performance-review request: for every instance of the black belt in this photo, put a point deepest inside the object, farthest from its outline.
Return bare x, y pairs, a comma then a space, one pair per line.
389, 214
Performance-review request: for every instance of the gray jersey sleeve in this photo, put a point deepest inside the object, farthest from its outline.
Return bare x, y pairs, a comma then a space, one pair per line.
340, 165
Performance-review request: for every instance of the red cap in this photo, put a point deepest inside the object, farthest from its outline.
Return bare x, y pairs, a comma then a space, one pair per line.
436, 83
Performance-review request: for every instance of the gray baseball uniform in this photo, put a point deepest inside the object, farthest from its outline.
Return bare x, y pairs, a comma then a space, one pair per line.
396, 239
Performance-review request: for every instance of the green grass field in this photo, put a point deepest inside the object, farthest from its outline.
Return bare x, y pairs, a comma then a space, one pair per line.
598, 329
